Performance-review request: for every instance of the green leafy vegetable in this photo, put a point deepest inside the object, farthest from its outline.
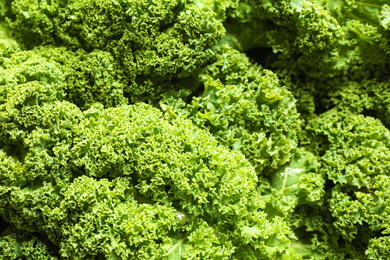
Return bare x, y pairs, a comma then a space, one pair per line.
194, 129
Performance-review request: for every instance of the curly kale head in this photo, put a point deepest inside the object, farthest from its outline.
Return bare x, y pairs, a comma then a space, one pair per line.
194, 129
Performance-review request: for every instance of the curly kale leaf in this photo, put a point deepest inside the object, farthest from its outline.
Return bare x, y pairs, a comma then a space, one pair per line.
354, 151
244, 107
85, 78
155, 41
167, 185
15, 244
